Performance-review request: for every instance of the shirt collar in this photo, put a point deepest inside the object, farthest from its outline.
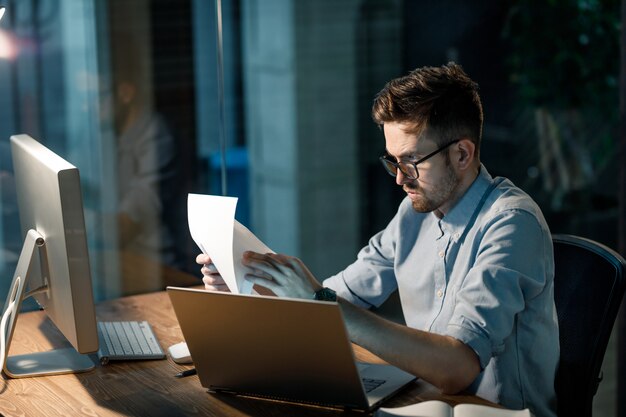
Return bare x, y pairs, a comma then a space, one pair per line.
459, 217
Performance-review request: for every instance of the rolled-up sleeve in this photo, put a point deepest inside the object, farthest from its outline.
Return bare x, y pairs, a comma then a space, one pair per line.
509, 270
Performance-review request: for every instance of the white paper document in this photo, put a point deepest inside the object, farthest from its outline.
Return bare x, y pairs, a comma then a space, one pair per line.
218, 234
436, 408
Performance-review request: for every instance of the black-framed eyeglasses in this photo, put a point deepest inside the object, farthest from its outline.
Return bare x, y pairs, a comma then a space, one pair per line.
409, 169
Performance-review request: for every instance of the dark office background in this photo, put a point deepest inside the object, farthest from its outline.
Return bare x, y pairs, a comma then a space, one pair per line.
548, 73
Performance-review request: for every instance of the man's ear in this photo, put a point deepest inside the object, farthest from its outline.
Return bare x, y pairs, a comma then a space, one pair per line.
466, 153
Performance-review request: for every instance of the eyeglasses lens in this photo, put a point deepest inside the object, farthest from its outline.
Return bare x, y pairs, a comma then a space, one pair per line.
391, 167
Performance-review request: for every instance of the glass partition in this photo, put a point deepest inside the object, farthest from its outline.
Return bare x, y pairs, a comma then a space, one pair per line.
129, 92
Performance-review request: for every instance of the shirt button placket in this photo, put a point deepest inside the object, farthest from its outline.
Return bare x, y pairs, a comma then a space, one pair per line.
438, 258
440, 280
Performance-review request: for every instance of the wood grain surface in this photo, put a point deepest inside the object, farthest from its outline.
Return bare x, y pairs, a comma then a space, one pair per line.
147, 388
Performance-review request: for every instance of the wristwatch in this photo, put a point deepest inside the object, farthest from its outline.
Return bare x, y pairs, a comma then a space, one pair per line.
325, 294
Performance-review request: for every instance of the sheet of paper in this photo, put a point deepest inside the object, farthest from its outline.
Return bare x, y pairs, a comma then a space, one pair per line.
433, 408
436, 408
476, 410
218, 234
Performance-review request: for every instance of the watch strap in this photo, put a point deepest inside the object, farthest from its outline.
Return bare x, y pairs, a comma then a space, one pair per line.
325, 294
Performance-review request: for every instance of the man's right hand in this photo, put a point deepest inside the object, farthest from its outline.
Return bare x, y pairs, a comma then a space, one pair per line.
210, 275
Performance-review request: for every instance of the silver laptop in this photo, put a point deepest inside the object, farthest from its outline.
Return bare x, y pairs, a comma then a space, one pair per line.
279, 348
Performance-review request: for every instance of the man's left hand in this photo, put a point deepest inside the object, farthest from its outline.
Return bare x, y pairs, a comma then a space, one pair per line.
285, 276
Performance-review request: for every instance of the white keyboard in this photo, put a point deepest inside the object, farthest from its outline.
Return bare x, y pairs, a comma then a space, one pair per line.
127, 340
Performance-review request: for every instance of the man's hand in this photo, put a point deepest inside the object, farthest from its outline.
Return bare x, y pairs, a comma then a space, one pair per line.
210, 275
285, 276
418, 352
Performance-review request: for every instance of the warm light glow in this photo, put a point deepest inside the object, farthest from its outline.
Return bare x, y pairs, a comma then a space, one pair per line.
1, 12
7, 48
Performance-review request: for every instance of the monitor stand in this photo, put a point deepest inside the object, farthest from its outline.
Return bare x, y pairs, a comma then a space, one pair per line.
54, 362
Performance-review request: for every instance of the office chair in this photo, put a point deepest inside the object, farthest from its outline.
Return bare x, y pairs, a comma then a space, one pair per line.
589, 285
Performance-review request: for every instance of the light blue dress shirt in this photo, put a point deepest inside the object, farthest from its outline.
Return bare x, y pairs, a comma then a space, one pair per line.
482, 274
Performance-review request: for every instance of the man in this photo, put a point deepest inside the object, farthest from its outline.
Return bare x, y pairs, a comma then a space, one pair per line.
470, 255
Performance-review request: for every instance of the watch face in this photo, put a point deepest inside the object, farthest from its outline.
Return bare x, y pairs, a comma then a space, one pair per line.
326, 294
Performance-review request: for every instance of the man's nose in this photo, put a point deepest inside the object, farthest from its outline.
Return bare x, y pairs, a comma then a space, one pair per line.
401, 178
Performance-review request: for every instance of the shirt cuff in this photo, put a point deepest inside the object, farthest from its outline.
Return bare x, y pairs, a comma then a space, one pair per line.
338, 284
476, 341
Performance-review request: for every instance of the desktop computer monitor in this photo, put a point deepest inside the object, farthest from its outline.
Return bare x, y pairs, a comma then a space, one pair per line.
53, 266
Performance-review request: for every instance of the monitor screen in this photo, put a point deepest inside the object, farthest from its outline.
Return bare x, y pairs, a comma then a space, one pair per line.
58, 273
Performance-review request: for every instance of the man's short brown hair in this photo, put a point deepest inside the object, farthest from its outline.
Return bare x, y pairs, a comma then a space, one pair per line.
443, 99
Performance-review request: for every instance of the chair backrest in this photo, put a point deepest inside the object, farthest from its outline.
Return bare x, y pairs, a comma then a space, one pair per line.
589, 286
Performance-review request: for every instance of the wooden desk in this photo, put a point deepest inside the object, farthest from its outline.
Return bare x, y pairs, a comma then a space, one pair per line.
147, 388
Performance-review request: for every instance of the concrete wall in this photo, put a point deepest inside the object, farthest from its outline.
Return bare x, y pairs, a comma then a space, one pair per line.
300, 72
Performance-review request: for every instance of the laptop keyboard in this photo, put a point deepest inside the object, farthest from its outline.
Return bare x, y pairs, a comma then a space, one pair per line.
127, 340
371, 384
